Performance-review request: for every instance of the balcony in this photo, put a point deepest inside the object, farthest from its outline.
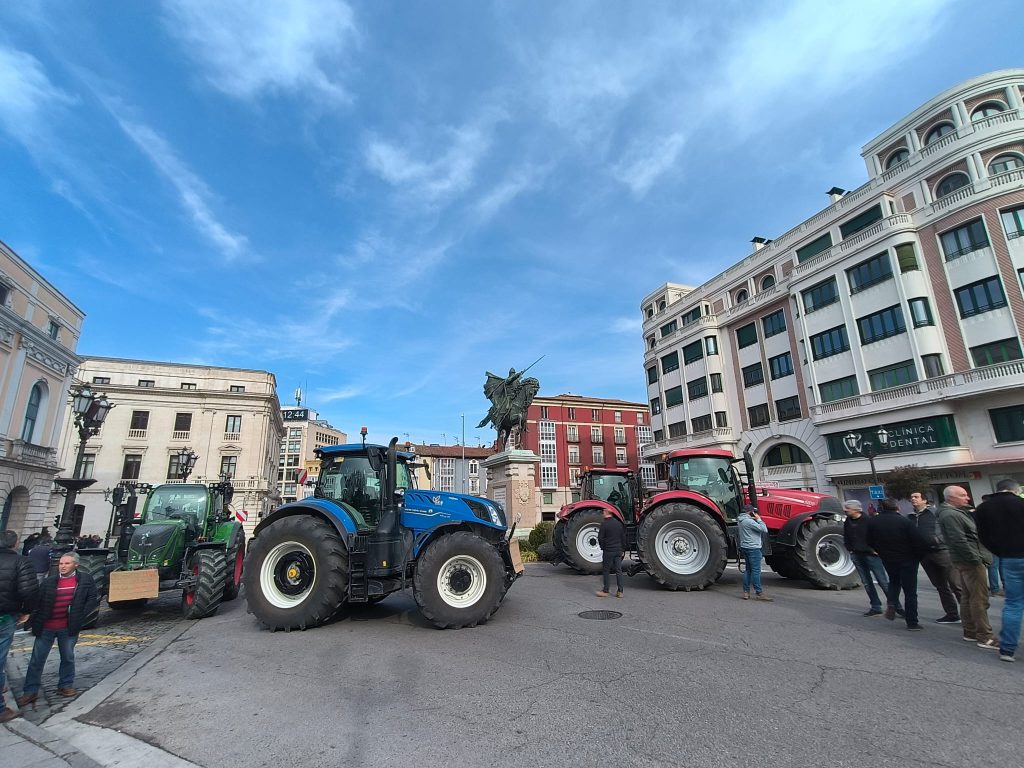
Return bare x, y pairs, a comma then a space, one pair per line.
952, 198
880, 229
955, 386
232, 437
895, 171
938, 144
180, 434
620, 439
1003, 117
572, 437
596, 439
28, 453
137, 434
710, 438
763, 297
1015, 176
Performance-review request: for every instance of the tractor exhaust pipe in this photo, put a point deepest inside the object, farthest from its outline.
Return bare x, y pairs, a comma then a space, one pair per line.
389, 515
748, 467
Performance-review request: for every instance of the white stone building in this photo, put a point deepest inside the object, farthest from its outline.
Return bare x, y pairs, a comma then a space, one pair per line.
305, 431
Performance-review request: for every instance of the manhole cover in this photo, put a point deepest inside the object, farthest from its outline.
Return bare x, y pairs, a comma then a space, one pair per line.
600, 615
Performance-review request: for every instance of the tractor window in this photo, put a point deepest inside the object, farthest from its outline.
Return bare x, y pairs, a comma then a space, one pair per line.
615, 490
712, 477
351, 480
404, 478
177, 502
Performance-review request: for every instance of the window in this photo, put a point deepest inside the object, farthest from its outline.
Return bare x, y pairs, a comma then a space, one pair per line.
932, 366
572, 411
187, 385
830, 342
753, 375
988, 109
711, 345
639, 417
233, 424
656, 406
147, 383
88, 467
759, 415
131, 467
572, 432
544, 412
661, 305
668, 329
236, 388
906, 257
875, 270
140, 420
173, 467
882, 325
620, 456
693, 352
838, 389
293, 460
768, 281
1004, 164
1008, 423
892, 376
595, 435
951, 184
697, 388
182, 422
690, 317
673, 396
774, 324
659, 434
781, 366
820, 295
716, 382
574, 454
861, 221
4, 293
784, 454
548, 497
677, 430
1013, 222
721, 419
228, 466
980, 297
746, 335
618, 417
741, 296
964, 239
896, 158
620, 435
652, 375
28, 427
996, 352
920, 312
53, 330
788, 408
936, 133
813, 248
651, 343
650, 311
595, 414
670, 363
100, 379
597, 453
294, 432
702, 424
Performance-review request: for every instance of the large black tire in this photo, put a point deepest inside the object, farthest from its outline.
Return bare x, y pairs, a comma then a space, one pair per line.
236, 560
558, 542
682, 547
546, 553
210, 567
97, 567
582, 552
785, 566
822, 557
296, 574
459, 581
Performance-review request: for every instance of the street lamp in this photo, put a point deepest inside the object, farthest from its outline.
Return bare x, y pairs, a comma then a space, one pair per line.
90, 410
186, 461
866, 449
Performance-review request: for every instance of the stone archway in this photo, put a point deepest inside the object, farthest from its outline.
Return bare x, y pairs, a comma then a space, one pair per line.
15, 510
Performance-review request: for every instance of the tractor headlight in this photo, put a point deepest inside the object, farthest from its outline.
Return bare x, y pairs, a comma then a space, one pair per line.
495, 517
837, 518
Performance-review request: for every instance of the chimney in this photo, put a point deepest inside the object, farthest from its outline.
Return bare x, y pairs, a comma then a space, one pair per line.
759, 243
835, 193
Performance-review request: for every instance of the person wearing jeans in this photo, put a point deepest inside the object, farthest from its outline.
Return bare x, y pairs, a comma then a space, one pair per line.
749, 530
865, 559
1000, 520
18, 589
994, 572
612, 539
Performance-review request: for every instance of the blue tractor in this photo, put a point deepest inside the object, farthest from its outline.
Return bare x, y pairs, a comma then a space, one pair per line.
367, 532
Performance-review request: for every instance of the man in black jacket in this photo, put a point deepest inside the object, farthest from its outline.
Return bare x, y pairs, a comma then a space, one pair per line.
865, 559
18, 588
899, 544
1000, 519
612, 538
935, 561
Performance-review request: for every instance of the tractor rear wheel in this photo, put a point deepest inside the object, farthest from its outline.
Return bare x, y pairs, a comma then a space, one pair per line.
296, 573
582, 552
209, 567
558, 542
785, 566
682, 547
236, 558
459, 581
822, 557
95, 566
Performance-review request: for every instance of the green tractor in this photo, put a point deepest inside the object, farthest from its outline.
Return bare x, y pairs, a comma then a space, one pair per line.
185, 538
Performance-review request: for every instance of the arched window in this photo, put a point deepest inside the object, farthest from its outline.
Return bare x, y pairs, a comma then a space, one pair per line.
650, 312
661, 306
768, 281
741, 296
32, 413
951, 184
987, 109
938, 132
783, 454
1005, 163
896, 158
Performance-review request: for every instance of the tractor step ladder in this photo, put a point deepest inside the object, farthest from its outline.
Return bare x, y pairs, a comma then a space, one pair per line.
357, 586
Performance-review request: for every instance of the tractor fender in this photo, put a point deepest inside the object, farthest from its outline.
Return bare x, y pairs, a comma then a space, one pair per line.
686, 497
786, 535
499, 541
331, 513
570, 509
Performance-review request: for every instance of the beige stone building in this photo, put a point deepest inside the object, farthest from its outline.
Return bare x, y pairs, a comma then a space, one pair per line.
39, 330
230, 417
305, 431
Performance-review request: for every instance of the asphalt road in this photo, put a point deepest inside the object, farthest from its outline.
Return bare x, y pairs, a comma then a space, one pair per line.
698, 679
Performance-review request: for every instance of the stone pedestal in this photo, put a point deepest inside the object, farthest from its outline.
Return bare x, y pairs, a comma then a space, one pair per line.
512, 482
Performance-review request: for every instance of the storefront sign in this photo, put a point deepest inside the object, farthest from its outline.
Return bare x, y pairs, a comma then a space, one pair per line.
901, 437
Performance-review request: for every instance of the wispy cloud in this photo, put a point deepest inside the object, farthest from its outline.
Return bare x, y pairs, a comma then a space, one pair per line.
334, 395
251, 47
644, 161
30, 98
631, 325
515, 183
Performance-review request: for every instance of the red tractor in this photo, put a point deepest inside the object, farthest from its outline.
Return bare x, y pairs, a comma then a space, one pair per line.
684, 536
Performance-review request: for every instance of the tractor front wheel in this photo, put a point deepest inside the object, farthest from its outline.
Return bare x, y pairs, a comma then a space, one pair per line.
558, 542
209, 568
822, 556
682, 547
785, 566
296, 573
236, 558
582, 550
459, 581
96, 566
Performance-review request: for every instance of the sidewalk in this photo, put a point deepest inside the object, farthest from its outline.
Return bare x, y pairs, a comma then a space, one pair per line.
27, 745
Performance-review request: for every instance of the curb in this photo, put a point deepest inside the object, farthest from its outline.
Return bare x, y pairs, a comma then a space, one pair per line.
51, 743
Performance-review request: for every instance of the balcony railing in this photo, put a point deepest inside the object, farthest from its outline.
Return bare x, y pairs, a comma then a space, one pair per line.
138, 434
1007, 177
180, 434
879, 229
232, 437
28, 453
597, 438
957, 196
705, 437
895, 171
1003, 117
938, 144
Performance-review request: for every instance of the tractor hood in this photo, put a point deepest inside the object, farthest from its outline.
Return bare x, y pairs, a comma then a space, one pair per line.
153, 543
442, 506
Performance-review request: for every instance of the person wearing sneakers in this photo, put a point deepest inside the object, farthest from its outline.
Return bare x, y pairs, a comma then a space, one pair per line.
612, 539
750, 529
865, 559
1000, 520
18, 587
65, 601
971, 561
936, 562
898, 542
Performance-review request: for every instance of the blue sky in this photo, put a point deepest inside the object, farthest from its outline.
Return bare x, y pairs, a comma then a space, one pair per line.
379, 201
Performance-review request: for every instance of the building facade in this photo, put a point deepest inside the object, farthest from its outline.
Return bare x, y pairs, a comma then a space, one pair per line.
230, 417
889, 323
305, 431
39, 331
572, 432
451, 468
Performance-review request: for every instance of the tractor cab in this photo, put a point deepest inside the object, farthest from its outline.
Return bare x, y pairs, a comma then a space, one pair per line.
710, 472
174, 502
355, 478
618, 488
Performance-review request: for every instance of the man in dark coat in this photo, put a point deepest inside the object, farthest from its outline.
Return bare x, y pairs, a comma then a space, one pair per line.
1000, 519
898, 542
18, 589
865, 559
935, 561
612, 538
65, 602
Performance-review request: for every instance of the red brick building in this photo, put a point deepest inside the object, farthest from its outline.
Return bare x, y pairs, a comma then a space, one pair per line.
572, 432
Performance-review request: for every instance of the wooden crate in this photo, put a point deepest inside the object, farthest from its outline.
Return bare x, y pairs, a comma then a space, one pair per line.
133, 585
517, 556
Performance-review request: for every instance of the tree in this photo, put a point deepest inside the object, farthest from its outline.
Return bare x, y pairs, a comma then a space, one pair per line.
900, 482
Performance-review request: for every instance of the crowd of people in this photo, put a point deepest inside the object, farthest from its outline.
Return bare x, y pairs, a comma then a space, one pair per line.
967, 553
53, 607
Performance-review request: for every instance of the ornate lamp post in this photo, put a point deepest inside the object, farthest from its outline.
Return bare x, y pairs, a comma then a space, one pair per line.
90, 410
186, 462
866, 449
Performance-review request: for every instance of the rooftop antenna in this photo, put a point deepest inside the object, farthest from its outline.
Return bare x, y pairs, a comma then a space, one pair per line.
298, 396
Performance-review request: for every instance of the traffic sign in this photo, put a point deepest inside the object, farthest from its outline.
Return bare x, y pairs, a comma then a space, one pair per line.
877, 491
241, 515
303, 476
